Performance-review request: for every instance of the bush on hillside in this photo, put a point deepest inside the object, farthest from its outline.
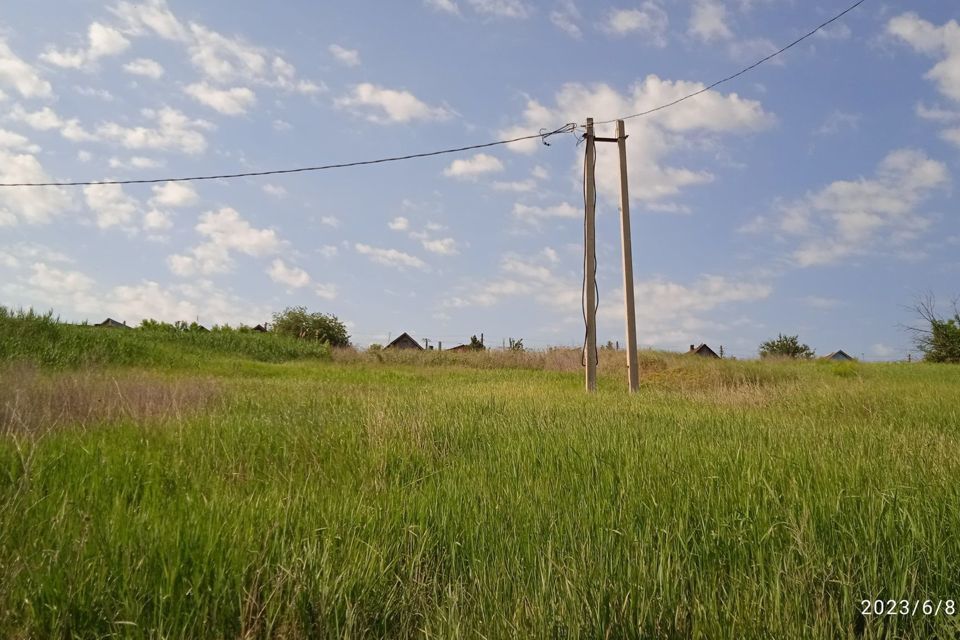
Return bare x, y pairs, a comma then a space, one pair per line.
939, 337
296, 322
786, 347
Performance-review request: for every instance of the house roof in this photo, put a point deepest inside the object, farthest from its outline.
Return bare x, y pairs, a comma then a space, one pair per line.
110, 323
704, 350
839, 354
404, 338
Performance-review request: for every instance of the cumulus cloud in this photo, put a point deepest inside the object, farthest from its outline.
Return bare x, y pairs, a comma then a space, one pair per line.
144, 67
222, 60
172, 131
566, 17
473, 167
708, 21
231, 102
650, 22
30, 206
848, 219
289, 276
941, 43
652, 141
390, 257
444, 6
174, 195
227, 233
385, 106
20, 76
399, 224
103, 41
501, 8
111, 205
346, 57
536, 213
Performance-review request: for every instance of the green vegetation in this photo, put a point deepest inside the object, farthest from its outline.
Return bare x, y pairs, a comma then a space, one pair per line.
786, 347
939, 337
298, 323
43, 340
474, 495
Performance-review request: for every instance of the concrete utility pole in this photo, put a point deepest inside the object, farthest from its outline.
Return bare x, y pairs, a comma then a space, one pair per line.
633, 374
590, 258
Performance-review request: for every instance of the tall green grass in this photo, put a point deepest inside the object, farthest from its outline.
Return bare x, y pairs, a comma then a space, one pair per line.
374, 499
43, 340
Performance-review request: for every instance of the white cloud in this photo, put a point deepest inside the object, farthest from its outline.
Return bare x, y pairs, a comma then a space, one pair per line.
110, 204
220, 59
445, 6
291, 277
16, 142
20, 76
135, 162
516, 186
103, 41
478, 165
649, 21
56, 280
941, 42
708, 22
346, 57
274, 190
566, 18
155, 220
173, 131
852, 218
34, 205
501, 8
47, 119
533, 213
326, 291
231, 102
383, 106
329, 251
839, 121
441, 246
43, 120
399, 224
330, 221
687, 126
226, 231
144, 67
390, 257
174, 195
151, 16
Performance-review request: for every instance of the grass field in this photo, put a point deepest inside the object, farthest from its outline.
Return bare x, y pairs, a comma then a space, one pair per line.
309, 496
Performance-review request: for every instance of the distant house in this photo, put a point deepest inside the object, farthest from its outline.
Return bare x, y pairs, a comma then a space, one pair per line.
461, 347
703, 351
404, 341
110, 323
260, 328
840, 355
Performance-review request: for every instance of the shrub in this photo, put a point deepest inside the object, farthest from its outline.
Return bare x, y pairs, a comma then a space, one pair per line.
785, 347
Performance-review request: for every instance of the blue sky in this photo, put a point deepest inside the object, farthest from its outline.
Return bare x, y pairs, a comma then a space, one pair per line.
812, 196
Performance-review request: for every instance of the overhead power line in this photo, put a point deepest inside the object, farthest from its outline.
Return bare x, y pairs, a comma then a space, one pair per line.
544, 134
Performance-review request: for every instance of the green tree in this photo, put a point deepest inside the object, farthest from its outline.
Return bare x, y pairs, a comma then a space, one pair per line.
939, 337
785, 347
297, 322
516, 345
476, 344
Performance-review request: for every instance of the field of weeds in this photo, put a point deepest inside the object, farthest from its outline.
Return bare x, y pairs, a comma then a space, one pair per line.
477, 496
